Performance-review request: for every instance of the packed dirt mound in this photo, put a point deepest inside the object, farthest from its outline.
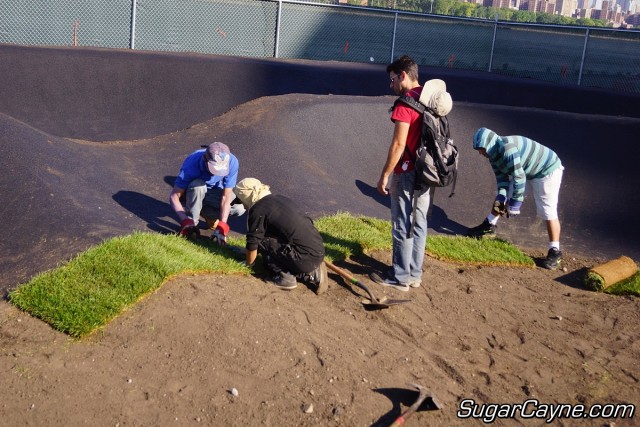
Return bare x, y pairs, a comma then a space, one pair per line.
492, 335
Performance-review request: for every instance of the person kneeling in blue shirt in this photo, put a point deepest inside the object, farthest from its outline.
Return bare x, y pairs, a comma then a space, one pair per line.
206, 182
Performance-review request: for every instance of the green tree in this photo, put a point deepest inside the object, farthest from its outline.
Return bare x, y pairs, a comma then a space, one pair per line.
565, 20
473, 10
588, 22
506, 14
465, 9
544, 18
523, 16
414, 5
492, 12
481, 12
444, 7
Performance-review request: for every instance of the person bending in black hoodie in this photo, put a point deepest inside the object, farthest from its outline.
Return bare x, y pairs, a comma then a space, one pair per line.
290, 245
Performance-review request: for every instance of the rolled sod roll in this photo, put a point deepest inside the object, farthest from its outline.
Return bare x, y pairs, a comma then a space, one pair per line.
604, 275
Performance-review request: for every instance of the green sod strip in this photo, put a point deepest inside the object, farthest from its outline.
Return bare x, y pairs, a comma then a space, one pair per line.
90, 290
594, 281
477, 251
93, 288
346, 235
630, 286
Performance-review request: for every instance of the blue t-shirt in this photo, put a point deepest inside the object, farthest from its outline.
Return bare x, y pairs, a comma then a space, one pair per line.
194, 167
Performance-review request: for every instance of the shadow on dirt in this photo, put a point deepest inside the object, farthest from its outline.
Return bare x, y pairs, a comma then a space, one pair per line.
574, 279
442, 224
398, 397
438, 220
372, 192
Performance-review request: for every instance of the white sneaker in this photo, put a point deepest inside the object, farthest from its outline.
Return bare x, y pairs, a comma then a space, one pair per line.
397, 286
416, 283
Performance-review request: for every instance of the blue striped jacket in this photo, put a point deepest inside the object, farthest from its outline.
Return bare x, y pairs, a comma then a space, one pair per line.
515, 158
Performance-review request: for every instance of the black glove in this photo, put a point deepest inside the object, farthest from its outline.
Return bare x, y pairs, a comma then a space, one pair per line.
500, 205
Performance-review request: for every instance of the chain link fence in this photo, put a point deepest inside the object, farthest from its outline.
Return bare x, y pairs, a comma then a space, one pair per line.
604, 58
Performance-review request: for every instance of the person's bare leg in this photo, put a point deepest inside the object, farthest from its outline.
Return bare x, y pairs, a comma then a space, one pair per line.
553, 229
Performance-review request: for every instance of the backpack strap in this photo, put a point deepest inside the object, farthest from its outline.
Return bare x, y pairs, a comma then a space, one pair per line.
411, 102
416, 105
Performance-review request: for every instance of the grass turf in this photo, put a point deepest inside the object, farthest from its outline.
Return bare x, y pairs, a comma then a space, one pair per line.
93, 288
85, 293
346, 235
630, 286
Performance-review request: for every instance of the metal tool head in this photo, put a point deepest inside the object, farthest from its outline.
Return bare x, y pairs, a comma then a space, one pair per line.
384, 302
372, 303
425, 394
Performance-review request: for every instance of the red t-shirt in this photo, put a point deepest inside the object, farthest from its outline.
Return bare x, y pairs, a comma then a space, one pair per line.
403, 113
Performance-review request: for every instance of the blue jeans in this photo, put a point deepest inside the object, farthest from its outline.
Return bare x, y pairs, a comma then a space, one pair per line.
206, 202
408, 252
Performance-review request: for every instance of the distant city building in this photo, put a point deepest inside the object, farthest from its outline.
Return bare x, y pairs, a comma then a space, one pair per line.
530, 5
502, 4
585, 13
545, 6
633, 19
566, 7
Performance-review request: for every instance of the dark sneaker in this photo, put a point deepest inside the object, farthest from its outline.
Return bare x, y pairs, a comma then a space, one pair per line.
553, 260
388, 281
320, 279
482, 231
285, 280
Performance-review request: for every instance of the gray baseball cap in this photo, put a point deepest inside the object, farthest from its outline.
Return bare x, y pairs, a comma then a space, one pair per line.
217, 156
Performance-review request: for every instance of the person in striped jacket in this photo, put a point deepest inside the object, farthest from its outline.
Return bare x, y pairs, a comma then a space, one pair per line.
517, 160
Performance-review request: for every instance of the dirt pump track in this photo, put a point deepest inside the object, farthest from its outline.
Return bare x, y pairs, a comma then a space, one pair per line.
79, 169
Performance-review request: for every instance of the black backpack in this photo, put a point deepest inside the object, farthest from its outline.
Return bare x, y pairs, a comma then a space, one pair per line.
436, 158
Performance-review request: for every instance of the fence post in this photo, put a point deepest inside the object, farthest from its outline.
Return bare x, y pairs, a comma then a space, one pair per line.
278, 17
493, 43
132, 41
584, 52
393, 36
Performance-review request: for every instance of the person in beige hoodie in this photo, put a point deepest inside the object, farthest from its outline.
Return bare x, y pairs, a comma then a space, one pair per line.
290, 245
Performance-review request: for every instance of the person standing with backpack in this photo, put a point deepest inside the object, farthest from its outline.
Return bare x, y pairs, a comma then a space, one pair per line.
398, 180
516, 160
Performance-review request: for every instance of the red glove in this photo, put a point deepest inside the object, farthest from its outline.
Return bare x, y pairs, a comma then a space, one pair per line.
187, 227
220, 232
222, 228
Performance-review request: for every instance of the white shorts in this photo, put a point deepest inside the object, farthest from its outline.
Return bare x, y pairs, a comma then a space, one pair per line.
546, 193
